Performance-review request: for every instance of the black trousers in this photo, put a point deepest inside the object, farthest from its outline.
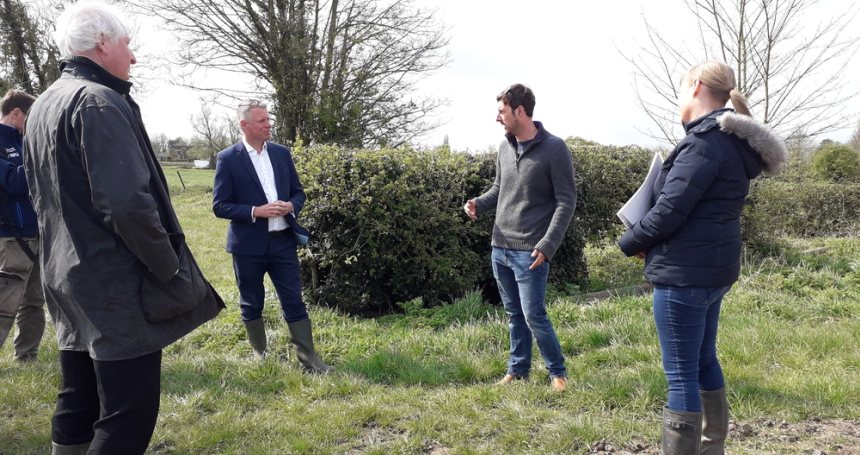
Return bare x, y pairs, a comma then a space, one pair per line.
112, 404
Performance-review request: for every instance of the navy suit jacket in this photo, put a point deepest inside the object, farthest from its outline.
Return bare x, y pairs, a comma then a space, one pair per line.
237, 189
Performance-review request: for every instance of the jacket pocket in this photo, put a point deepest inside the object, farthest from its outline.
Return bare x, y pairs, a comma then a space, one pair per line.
183, 293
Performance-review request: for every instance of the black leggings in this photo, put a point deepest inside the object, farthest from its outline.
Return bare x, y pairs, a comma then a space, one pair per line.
114, 404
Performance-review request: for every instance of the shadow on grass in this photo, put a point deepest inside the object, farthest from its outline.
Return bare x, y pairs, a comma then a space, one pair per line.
750, 393
277, 376
396, 368
817, 254
469, 309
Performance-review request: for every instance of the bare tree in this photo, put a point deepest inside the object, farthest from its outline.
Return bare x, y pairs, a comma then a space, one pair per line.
159, 143
337, 71
855, 138
28, 55
215, 133
792, 73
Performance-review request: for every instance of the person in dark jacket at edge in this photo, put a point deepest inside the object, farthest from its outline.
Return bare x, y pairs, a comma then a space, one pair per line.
119, 279
691, 243
21, 298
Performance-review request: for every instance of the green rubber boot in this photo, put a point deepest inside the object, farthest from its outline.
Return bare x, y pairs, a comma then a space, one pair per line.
715, 421
303, 338
257, 337
682, 432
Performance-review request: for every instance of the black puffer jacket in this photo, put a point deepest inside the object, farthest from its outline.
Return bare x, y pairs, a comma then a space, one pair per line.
692, 234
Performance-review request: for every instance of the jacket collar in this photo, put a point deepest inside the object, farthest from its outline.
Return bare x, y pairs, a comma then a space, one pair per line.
705, 122
769, 148
539, 137
88, 69
9, 132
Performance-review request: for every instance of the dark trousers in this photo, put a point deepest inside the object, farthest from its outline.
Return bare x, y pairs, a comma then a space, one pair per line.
114, 404
281, 262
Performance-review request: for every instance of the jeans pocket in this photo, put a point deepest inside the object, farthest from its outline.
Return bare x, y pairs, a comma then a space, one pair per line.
699, 295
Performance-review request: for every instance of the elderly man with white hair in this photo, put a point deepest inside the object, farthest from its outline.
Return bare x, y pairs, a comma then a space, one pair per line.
117, 270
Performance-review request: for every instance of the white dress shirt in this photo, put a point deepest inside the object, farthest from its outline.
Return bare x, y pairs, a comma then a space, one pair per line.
266, 174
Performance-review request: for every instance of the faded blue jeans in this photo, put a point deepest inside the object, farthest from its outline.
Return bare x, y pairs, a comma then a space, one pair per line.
522, 292
687, 320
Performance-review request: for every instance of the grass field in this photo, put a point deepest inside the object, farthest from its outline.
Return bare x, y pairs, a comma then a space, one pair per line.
422, 382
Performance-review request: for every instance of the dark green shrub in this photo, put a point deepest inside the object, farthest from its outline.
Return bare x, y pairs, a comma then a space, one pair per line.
807, 209
837, 163
388, 227
606, 176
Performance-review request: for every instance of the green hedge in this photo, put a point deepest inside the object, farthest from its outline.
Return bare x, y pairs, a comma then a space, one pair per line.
837, 163
389, 228
388, 225
802, 209
606, 176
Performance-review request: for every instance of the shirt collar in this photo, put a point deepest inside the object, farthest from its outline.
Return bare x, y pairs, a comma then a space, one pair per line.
250, 149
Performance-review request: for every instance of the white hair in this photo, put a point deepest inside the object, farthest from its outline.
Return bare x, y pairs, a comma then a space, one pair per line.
83, 24
246, 107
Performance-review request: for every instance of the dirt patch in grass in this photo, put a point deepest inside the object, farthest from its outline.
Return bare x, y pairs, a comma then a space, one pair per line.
767, 437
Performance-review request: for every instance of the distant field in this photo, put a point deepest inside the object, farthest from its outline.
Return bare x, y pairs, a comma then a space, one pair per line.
193, 178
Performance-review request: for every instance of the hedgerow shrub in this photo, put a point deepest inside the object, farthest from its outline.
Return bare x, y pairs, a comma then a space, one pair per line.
837, 163
388, 227
606, 177
808, 209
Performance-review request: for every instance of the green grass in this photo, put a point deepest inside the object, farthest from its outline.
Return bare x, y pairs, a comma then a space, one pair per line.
423, 380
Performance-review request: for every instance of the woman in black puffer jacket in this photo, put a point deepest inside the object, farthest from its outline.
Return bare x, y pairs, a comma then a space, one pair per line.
691, 241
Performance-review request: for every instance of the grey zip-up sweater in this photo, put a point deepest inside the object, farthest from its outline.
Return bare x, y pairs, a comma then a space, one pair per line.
534, 194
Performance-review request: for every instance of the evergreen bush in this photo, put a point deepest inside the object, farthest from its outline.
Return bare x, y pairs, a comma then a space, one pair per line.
606, 177
807, 209
837, 163
388, 225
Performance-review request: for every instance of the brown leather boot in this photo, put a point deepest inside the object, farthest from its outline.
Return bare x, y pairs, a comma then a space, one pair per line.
559, 383
509, 378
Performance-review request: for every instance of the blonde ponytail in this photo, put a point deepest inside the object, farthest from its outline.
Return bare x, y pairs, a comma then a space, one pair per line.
739, 102
720, 79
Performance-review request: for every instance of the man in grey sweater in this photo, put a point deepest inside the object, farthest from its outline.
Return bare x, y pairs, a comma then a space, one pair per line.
534, 195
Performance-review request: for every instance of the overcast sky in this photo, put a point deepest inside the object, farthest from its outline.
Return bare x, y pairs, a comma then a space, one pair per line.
568, 52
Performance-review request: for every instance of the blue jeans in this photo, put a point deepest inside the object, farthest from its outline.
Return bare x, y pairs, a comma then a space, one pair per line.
686, 319
522, 292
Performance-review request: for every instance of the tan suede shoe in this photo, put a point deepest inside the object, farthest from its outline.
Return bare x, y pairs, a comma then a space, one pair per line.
559, 384
509, 378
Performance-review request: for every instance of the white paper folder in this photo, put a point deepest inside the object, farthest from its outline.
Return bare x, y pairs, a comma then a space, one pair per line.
640, 203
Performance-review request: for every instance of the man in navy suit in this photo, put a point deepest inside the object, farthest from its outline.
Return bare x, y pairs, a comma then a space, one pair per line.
256, 188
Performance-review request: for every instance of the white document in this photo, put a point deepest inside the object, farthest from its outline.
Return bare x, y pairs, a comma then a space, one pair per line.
640, 203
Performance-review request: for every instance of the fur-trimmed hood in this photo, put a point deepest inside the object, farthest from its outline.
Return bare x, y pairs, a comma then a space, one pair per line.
770, 148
